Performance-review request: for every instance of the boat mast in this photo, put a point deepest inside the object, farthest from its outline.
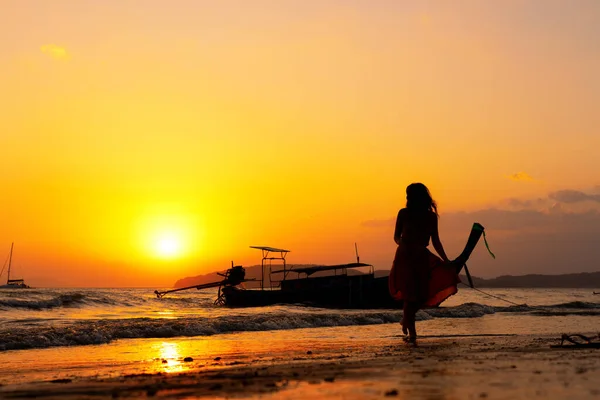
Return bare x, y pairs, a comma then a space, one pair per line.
9, 262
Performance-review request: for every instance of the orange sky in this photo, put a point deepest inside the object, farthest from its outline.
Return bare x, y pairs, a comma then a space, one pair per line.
145, 141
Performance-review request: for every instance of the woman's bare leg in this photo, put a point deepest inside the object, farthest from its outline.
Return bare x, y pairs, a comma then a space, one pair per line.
411, 325
405, 321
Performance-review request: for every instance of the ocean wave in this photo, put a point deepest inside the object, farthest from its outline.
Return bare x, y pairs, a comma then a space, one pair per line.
577, 304
61, 300
466, 310
570, 308
187, 302
557, 313
100, 331
105, 331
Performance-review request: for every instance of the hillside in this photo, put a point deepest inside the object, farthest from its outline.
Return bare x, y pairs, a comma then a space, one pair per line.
576, 280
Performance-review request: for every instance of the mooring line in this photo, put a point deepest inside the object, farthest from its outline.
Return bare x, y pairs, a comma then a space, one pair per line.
506, 301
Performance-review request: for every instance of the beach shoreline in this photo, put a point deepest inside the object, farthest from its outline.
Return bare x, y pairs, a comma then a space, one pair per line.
453, 366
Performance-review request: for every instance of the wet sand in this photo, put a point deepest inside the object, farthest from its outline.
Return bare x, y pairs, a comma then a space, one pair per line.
438, 367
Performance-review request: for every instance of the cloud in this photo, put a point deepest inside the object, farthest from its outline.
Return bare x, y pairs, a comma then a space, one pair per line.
521, 177
498, 219
54, 51
573, 196
513, 202
573, 200
529, 241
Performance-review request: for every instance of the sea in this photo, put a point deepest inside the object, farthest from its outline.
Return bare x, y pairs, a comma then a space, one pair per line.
41, 318
51, 333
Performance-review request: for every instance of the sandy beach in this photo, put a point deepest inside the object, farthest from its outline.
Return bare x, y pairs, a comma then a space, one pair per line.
438, 367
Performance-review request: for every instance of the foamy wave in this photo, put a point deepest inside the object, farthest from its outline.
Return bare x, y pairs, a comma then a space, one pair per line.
577, 304
466, 310
105, 331
21, 336
62, 300
570, 308
555, 313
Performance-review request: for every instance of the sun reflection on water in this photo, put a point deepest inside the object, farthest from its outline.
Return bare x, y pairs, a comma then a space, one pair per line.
166, 314
170, 358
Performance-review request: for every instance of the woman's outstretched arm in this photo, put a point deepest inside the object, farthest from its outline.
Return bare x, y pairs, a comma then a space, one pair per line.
435, 240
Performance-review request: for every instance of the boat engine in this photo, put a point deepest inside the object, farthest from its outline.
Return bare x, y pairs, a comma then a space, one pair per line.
234, 276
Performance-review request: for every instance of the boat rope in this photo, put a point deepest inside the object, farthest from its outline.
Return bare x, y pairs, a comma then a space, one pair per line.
491, 295
506, 301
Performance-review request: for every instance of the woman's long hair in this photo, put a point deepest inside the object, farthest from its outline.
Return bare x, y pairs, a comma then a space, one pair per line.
418, 198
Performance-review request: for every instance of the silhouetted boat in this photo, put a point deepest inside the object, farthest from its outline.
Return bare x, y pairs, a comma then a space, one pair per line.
13, 283
339, 289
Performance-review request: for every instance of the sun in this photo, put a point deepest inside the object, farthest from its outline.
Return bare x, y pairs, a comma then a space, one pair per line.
168, 233
168, 247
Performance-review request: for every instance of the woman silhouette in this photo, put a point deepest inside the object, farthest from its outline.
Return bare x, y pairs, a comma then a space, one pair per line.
418, 277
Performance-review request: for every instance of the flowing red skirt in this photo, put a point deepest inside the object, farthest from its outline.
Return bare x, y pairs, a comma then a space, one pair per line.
419, 276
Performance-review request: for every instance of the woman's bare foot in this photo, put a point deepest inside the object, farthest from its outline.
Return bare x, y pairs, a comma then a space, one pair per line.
412, 334
410, 339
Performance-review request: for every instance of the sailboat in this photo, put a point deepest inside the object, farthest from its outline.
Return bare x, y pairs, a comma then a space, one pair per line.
13, 283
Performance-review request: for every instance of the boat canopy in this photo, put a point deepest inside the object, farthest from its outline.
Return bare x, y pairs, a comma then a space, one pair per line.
267, 259
267, 248
318, 268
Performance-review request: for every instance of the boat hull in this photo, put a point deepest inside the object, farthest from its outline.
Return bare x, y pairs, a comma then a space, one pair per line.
14, 286
358, 291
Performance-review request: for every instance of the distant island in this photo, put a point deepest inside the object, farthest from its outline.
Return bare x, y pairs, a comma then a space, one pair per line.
575, 280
